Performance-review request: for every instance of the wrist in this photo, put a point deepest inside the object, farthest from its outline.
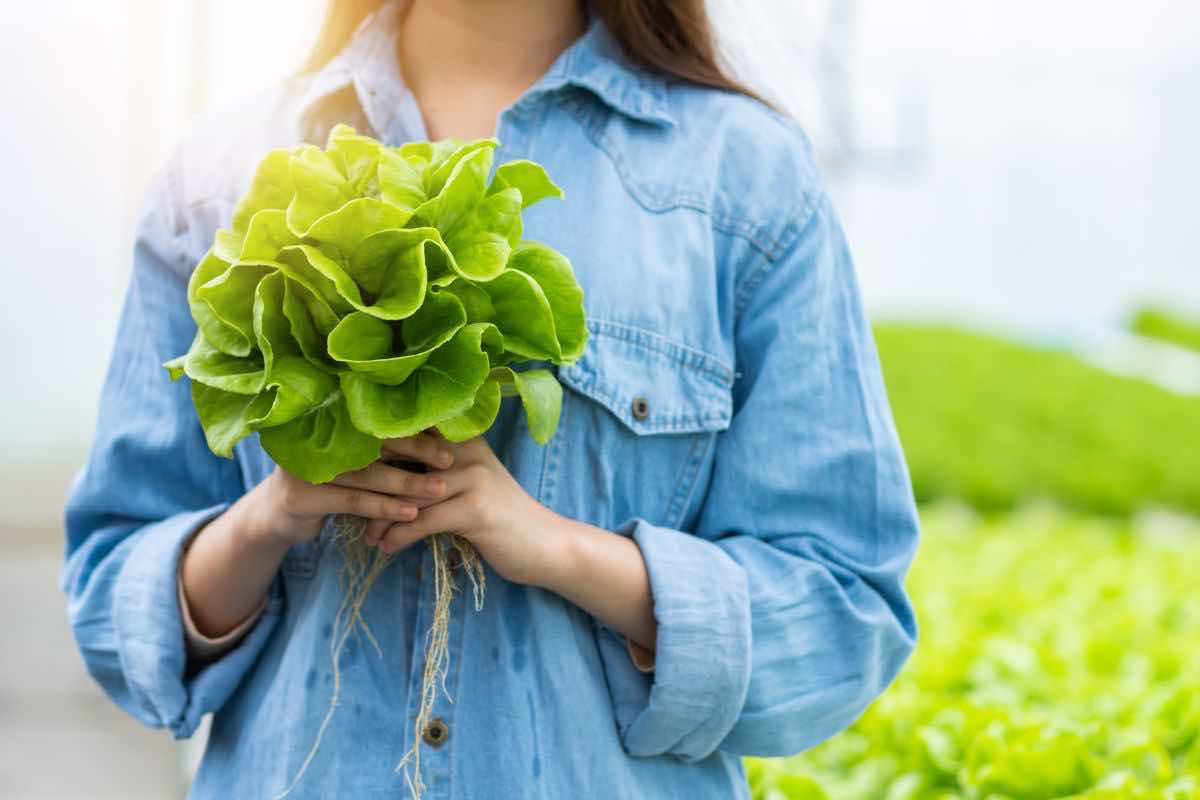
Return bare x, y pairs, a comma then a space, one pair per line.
563, 554
253, 530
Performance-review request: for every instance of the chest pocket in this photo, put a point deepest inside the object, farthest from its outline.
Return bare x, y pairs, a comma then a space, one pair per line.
640, 415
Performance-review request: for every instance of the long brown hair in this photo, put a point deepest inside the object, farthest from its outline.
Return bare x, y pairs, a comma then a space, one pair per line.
671, 37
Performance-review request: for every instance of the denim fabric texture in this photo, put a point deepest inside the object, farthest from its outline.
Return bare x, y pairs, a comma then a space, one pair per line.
728, 415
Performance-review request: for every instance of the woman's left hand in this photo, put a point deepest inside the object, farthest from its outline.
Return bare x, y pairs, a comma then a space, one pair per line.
482, 502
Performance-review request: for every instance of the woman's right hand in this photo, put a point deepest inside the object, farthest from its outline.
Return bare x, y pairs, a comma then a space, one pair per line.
285, 510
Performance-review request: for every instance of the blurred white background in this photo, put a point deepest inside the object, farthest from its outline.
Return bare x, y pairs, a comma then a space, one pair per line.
1027, 164
97, 94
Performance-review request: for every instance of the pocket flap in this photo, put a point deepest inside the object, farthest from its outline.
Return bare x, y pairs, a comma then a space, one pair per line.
651, 383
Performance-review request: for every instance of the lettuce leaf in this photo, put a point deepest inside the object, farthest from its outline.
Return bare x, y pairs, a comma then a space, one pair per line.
363, 292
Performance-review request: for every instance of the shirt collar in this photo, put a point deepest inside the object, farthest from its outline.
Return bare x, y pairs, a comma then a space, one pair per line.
593, 62
368, 64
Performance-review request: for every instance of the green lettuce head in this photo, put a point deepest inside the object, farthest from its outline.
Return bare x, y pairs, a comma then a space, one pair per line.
365, 292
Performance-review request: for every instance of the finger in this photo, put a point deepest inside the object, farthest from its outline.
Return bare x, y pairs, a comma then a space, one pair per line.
440, 518
424, 448
386, 479
463, 478
375, 530
364, 503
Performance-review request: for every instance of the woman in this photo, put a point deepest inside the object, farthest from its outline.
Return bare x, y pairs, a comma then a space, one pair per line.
705, 562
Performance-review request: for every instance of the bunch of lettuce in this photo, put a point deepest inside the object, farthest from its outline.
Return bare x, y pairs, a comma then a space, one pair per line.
367, 292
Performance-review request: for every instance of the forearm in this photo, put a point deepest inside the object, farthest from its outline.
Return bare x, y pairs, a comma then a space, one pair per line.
602, 573
227, 569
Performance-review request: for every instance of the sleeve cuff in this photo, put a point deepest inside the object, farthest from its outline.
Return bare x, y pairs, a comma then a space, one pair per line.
688, 700
148, 620
202, 649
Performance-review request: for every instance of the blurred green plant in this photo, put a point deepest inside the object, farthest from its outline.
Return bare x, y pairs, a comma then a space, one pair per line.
1059, 658
1157, 323
999, 424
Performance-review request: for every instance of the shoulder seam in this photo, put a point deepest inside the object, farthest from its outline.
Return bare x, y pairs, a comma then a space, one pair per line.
793, 232
755, 234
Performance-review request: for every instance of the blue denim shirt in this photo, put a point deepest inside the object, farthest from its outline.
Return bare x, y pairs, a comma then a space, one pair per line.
762, 479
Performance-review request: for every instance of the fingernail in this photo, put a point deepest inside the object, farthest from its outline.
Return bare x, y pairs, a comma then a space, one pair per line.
435, 486
408, 513
444, 459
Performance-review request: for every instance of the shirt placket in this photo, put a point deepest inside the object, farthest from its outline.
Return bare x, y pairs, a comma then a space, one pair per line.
514, 128
435, 738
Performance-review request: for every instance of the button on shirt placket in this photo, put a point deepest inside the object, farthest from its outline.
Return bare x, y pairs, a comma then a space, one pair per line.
436, 732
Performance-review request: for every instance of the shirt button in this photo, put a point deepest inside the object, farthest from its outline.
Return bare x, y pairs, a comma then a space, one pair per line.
641, 408
436, 732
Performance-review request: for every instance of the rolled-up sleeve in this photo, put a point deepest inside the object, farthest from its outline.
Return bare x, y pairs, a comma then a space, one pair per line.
782, 615
149, 483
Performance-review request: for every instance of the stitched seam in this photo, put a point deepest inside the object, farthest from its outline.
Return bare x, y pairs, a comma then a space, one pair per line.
680, 420
592, 384
710, 444
755, 235
677, 351
587, 383
746, 230
759, 273
687, 481
451, 708
750, 285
